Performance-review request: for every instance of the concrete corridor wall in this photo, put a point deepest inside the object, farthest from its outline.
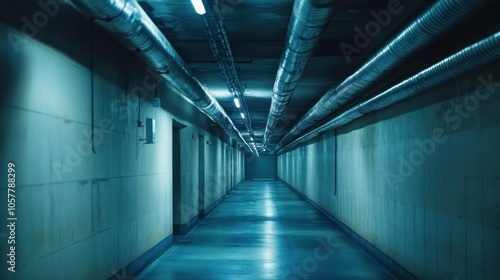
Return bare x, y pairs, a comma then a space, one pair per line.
420, 180
223, 166
85, 215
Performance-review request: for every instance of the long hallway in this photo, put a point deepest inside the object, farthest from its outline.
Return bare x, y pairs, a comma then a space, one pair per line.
263, 230
238, 139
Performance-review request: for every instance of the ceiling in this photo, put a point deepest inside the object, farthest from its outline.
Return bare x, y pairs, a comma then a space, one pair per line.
257, 31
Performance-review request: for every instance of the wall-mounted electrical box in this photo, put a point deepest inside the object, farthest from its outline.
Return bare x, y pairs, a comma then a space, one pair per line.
150, 131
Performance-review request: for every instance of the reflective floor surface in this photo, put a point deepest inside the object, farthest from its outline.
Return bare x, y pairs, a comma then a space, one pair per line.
263, 230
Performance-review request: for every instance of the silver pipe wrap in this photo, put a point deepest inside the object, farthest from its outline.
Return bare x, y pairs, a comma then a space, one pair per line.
472, 57
129, 24
307, 24
435, 21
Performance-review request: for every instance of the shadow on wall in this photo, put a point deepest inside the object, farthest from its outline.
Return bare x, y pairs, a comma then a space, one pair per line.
60, 19
11, 73
10, 70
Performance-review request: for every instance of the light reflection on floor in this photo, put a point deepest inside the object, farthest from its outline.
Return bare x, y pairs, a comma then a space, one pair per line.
263, 230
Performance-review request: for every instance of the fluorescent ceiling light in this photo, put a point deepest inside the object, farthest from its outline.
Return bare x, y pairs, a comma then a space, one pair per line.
198, 6
237, 102
242, 115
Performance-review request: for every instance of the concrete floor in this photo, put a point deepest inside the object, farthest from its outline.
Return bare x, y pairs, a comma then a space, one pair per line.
263, 230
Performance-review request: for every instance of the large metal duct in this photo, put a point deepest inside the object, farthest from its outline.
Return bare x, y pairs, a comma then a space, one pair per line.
436, 20
308, 22
472, 57
130, 25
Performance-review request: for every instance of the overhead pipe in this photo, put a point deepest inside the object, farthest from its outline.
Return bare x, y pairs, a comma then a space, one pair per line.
472, 57
307, 24
224, 56
435, 21
130, 25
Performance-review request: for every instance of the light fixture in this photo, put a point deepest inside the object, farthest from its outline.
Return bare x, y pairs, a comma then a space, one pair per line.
237, 102
251, 138
242, 115
198, 6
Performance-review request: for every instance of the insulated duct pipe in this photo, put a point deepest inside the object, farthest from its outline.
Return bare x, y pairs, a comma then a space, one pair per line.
436, 20
472, 57
128, 23
309, 20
